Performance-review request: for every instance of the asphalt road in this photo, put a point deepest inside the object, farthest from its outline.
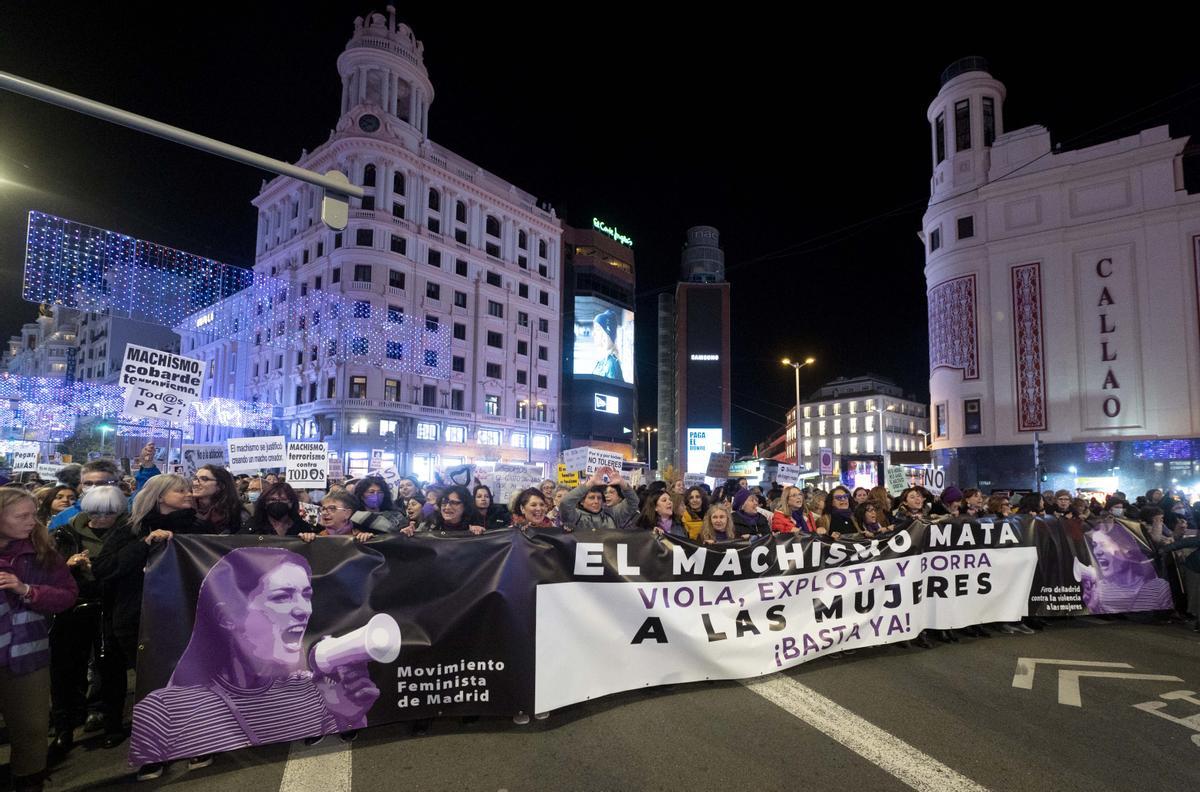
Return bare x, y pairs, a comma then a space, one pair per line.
883, 719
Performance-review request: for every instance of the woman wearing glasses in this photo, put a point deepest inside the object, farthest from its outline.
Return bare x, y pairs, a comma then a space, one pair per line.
838, 518
456, 512
218, 506
277, 513
336, 510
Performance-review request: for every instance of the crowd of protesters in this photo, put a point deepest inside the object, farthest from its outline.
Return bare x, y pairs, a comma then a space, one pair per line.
73, 554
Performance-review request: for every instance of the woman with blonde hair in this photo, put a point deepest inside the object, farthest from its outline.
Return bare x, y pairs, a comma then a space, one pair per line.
814, 512
34, 584
718, 525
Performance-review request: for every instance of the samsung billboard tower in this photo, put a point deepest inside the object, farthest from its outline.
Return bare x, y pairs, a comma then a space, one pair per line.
701, 352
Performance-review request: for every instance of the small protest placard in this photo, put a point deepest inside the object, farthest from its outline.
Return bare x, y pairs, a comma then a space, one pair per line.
307, 465
159, 384
588, 460
692, 479
48, 472
195, 457
253, 454
787, 475
25, 458
335, 467
897, 480
718, 465
507, 479
568, 478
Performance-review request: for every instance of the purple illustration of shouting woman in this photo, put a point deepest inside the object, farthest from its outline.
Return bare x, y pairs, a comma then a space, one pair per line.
244, 678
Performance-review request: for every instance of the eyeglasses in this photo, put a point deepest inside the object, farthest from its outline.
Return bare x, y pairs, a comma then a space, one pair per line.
332, 509
452, 503
105, 483
203, 479
841, 497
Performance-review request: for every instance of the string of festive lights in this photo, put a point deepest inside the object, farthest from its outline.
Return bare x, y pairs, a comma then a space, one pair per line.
92, 269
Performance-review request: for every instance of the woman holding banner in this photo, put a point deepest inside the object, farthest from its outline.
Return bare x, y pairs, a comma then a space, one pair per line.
587, 507
218, 506
456, 512
718, 525
658, 515
277, 513
691, 510
379, 514
495, 515
337, 509
747, 522
529, 510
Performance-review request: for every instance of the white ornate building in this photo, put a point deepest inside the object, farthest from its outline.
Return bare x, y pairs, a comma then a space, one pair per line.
466, 261
1063, 300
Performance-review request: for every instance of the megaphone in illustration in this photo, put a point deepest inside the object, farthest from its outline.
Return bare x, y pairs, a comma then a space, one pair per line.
1082, 571
378, 640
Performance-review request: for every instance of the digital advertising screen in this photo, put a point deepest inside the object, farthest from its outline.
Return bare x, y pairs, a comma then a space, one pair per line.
702, 441
603, 340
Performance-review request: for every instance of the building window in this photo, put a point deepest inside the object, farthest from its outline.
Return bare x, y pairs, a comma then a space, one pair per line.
367, 203
460, 267
433, 291
317, 283
434, 258
541, 380
543, 325
395, 314
360, 346
972, 417
543, 353
456, 434
399, 245
541, 442
429, 395
388, 428
398, 183
543, 297
522, 319
491, 406
543, 271
398, 213
368, 176
837, 426
939, 135
330, 387
395, 350
396, 279
362, 309
456, 400
336, 275
337, 240
966, 227
540, 413
522, 348
431, 323
495, 371
821, 428
460, 331
433, 224
391, 390
489, 437
522, 262
358, 387
522, 378
962, 125
435, 200
989, 120
522, 410
493, 279
460, 299
542, 248
517, 439
492, 226
523, 290
460, 211
935, 239
495, 309
941, 423
495, 339
427, 431
364, 237
430, 358
458, 363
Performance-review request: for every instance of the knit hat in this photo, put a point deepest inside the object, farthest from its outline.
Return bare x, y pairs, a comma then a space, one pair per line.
951, 494
740, 498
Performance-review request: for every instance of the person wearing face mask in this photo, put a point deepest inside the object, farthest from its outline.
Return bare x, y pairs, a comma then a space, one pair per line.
586, 508
254, 488
277, 513
379, 514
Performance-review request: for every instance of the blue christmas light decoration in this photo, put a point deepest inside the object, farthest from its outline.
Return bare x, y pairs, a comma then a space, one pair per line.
92, 269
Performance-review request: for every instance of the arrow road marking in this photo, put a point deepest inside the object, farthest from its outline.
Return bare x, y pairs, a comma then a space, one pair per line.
1068, 683
1023, 677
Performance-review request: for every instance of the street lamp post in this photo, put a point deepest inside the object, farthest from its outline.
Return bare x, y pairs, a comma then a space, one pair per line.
797, 367
882, 442
648, 430
104, 430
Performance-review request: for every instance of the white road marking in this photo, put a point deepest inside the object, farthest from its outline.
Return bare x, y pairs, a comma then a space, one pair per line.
908, 764
321, 768
1026, 666
1068, 683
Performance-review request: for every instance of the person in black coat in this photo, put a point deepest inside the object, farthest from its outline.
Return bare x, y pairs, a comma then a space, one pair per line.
747, 522
277, 513
163, 508
495, 515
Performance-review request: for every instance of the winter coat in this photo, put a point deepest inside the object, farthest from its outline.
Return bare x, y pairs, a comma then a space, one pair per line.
77, 536
609, 518
753, 524
498, 516
24, 626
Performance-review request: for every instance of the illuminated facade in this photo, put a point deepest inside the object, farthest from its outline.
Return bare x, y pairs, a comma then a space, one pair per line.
445, 287
1063, 300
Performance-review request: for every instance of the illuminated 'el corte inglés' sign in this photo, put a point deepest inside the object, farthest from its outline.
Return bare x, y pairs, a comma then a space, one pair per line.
612, 232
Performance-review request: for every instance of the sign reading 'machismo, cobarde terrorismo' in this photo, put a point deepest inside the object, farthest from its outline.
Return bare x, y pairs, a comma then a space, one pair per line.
159, 384
401, 627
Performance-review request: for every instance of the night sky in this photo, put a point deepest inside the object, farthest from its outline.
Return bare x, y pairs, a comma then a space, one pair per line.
807, 146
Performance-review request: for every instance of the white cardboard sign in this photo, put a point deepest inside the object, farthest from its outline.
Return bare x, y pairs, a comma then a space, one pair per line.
307, 465
159, 384
589, 460
252, 454
197, 456
25, 458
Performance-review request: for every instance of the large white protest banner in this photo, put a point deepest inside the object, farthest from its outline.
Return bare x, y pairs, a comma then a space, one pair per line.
159, 384
252, 454
195, 457
588, 460
307, 465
